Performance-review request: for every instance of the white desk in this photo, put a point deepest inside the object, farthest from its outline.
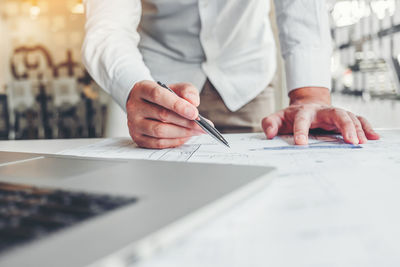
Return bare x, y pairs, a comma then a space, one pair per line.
44, 146
327, 217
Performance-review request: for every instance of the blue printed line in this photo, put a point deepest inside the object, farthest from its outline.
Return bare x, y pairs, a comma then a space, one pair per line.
344, 146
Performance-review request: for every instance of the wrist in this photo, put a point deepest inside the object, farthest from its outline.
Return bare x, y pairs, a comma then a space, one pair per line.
310, 95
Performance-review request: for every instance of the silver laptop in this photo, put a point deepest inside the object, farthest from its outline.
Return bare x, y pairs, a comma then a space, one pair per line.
69, 211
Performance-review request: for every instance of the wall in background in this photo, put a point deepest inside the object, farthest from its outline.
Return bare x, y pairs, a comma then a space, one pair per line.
50, 95
365, 62
4, 52
366, 58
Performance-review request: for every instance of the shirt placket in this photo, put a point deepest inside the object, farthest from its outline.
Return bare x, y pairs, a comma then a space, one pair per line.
208, 16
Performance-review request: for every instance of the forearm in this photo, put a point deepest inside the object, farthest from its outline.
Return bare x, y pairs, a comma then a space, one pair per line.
305, 42
110, 50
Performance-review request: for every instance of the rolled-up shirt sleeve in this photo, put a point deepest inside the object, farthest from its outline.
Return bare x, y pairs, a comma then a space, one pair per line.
110, 50
306, 45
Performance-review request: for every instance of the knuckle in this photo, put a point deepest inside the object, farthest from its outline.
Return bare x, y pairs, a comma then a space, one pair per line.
360, 118
190, 124
348, 124
357, 124
176, 105
191, 88
141, 84
187, 85
264, 122
159, 130
163, 114
360, 133
365, 123
155, 93
336, 112
268, 120
137, 87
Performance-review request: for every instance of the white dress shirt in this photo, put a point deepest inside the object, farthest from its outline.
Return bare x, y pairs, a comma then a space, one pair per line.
230, 42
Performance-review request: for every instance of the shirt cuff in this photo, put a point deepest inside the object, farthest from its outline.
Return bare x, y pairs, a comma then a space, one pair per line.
308, 68
124, 83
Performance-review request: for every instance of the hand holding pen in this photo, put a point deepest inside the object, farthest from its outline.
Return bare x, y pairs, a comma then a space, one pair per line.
159, 119
202, 122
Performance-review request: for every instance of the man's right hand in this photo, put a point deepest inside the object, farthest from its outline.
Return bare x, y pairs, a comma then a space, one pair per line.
157, 118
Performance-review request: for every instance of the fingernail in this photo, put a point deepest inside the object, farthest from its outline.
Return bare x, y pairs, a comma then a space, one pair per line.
268, 132
375, 133
301, 139
189, 112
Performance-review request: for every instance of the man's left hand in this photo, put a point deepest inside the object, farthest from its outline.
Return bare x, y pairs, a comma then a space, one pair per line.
310, 108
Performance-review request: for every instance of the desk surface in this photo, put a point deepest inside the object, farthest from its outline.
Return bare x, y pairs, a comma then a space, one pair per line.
341, 213
44, 146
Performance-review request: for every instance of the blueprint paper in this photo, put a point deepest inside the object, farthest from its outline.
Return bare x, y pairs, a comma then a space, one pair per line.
245, 149
336, 206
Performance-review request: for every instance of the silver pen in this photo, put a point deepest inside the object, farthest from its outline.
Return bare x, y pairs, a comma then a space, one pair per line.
202, 122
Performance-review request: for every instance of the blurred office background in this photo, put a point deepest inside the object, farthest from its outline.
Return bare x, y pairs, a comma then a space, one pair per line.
45, 91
